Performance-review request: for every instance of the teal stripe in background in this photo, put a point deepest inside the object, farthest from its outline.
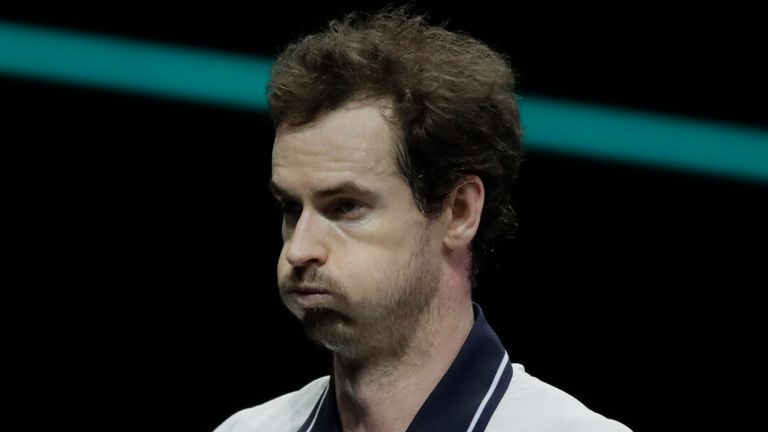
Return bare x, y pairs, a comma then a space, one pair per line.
238, 81
120, 64
623, 135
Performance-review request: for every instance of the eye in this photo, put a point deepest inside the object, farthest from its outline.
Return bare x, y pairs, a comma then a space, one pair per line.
347, 209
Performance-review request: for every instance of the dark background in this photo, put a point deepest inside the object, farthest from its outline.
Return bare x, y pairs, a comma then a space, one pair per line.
150, 299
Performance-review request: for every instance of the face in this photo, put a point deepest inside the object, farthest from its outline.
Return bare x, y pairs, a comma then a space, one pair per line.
359, 264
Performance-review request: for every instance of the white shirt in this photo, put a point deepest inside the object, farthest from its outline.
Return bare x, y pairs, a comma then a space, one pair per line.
482, 391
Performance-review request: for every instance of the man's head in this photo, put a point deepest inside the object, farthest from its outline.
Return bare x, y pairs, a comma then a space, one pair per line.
358, 260
394, 138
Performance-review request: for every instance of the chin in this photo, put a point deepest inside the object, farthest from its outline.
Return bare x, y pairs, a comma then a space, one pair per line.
323, 317
331, 329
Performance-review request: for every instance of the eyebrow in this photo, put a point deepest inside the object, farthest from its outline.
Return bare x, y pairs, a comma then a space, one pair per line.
344, 188
278, 192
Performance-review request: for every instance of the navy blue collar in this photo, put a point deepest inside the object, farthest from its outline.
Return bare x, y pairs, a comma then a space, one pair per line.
463, 400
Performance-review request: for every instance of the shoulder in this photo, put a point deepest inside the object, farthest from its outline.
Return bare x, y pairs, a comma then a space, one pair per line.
285, 413
532, 405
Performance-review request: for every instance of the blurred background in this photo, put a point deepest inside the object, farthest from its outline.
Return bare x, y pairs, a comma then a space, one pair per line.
149, 300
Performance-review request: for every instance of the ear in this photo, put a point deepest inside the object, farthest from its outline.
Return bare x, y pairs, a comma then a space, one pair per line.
462, 212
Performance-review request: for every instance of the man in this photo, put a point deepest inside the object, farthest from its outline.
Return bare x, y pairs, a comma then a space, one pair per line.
396, 145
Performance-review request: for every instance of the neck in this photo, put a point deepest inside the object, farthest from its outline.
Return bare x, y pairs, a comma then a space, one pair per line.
384, 393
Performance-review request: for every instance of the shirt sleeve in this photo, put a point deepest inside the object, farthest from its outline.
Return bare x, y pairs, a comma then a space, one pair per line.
230, 423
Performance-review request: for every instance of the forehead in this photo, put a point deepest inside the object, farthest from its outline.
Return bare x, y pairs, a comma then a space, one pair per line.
353, 143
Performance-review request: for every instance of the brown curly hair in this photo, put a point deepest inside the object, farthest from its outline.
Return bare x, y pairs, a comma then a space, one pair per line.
452, 98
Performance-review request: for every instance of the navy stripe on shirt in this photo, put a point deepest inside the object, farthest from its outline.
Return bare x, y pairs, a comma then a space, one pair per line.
465, 397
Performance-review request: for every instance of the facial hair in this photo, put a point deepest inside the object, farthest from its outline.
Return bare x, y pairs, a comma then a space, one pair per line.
388, 325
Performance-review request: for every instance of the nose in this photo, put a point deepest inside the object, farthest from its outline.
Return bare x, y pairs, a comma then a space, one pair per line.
305, 243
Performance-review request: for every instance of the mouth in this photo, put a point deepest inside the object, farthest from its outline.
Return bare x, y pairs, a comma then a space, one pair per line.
310, 297
308, 290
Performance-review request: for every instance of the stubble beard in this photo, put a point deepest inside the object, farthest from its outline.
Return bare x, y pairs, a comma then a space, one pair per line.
388, 329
